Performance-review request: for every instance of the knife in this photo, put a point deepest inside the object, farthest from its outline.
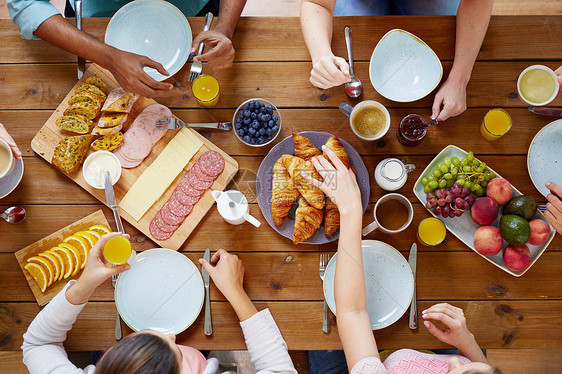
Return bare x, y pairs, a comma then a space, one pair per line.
110, 197
552, 112
208, 326
78, 12
413, 306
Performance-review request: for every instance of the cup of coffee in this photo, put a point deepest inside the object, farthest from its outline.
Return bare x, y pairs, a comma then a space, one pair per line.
393, 213
537, 85
369, 120
7, 160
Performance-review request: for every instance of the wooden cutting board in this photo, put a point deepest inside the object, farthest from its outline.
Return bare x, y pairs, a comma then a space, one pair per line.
48, 242
48, 137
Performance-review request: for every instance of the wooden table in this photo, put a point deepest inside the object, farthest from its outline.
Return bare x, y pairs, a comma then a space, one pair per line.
509, 316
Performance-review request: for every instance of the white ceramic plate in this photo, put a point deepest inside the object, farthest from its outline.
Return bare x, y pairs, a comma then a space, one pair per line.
544, 160
152, 28
162, 291
12, 180
388, 279
403, 68
463, 227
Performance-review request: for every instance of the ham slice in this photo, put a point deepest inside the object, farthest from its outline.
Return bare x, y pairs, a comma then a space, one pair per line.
147, 121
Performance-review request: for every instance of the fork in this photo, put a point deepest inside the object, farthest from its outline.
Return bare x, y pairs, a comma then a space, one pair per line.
176, 123
324, 258
197, 66
118, 333
542, 207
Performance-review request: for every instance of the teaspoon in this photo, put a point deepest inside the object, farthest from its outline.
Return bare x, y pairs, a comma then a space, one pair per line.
353, 88
14, 214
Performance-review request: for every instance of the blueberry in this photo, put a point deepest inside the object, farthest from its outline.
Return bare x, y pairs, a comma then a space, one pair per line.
253, 115
266, 117
252, 141
246, 138
239, 119
269, 109
261, 131
268, 132
263, 110
241, 132
261, 140
238, 125
252, 104
246, 113
259, 116
255, 124
274, 117
274, 129
251, 131
261, 104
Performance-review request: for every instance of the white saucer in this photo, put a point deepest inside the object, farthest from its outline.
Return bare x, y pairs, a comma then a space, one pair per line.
12, 180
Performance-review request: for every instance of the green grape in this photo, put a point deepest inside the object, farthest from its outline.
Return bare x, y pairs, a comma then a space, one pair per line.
442, 183
483, 165
454, 170
437, 173
478, 189
426, 189
448, 176
492, 175
487, 178
472, 188
431, 177
480, 169
466, 168
424, 181
460, 181
484, 184
470, 156
475, 162
438, 165
432, 184
455, 161
444, 169
479, 193
464, 162
480, 179
450, 183
447, 162
467, 184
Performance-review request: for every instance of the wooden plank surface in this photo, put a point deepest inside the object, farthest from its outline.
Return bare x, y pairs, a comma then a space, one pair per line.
522, 361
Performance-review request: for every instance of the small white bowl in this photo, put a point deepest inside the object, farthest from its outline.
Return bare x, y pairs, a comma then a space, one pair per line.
89, 160
549, 71
240, 110
403, 68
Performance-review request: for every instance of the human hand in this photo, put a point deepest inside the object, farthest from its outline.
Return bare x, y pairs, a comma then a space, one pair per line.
457, 333
559, 74
553, 211
339, 184
227, 272
219, 52
8, 139
449, 101
127, 68
329, 71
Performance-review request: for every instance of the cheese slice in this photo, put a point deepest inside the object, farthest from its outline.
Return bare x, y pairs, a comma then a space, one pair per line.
156, 179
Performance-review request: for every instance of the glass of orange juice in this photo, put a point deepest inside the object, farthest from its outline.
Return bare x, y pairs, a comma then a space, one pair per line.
431, 231
496, 123
118, 250
206, 90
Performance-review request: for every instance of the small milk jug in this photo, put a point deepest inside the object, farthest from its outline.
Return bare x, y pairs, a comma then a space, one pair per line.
233, 207
391, 174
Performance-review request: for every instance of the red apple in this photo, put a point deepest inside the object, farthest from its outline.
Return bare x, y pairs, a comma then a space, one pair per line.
517, 257
540, 231
484, 211
488, 240
500, 190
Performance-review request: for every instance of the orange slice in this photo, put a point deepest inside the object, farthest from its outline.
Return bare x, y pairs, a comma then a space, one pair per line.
96, 234
55, 263
46, 265
91, 239
78, 255
78, 241
100, 229
59, 259
69, 259
38, 273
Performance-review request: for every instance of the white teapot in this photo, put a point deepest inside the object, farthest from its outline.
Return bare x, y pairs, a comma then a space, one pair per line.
233, 207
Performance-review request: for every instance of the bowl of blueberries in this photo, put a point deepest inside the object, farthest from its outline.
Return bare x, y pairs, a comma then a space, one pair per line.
257, 122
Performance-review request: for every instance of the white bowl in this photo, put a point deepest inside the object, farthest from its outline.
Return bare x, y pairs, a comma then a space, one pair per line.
89, 159
403, 68
549, 71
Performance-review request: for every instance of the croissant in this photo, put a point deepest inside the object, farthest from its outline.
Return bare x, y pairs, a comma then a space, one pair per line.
307, 221
335, 145
313, 195
331, 218
283, 193
304, 148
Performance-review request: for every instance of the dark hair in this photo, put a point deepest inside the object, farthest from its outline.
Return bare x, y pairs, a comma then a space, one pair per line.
492, 370
139, 353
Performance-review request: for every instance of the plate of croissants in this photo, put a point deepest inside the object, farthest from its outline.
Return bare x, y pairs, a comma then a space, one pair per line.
293, 206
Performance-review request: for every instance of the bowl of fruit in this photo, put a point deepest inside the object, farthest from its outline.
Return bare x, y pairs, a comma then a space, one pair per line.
257, 122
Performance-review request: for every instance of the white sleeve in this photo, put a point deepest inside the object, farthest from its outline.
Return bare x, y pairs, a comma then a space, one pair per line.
266, 345
43, 352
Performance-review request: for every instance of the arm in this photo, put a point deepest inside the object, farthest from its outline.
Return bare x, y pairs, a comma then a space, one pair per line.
559, 74
354, 325
8, 139
220, 52
263, 339
553, 211
473, 17
316, 22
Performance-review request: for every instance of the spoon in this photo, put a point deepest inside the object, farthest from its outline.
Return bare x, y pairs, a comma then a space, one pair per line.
353, 88
14, 214
433, 122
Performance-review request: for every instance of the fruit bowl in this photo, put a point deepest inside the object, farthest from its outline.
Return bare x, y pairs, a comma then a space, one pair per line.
463, 227
248, 122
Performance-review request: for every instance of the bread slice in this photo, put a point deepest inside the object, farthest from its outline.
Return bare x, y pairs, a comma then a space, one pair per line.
108, 142
90, 88
111, 119
95, 81
106, 131
87, 97
84, 109
119, 101
75, 123
70, 152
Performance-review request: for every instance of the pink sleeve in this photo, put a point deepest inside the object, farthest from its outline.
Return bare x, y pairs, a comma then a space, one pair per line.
369, 365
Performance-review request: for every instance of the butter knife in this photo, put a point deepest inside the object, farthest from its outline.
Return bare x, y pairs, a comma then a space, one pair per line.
552, 112
412, 258
78, 12
208, 325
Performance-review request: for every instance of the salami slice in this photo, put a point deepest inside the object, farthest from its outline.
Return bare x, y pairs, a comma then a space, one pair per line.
147, 122
157, 233
137, 144
178, 208
163, 111
200, 175
169, 217
159, 221
188, 189
185, 199
125, 162
211, 163
195, 182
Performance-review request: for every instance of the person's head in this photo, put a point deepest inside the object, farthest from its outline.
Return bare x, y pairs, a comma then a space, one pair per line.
143, 352
457, 367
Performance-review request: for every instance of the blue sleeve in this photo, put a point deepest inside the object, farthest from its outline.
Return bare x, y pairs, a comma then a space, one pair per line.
30, 14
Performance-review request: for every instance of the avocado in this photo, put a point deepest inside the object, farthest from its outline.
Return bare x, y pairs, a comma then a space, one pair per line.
514, 229
523, 206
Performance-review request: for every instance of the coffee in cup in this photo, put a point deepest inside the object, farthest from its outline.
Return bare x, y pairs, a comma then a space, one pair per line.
537, 85
7, 160
369, 120
393, 213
